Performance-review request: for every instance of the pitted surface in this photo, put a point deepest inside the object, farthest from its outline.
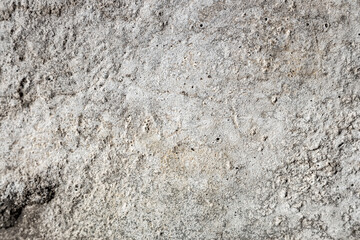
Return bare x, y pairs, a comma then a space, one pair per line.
179, 119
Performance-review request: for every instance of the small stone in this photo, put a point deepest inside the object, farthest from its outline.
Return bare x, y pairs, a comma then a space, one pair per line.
274, 99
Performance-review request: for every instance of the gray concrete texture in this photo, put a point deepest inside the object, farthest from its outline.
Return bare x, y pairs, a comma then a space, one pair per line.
199, 119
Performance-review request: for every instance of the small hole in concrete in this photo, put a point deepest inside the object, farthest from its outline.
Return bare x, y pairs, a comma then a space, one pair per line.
22, 83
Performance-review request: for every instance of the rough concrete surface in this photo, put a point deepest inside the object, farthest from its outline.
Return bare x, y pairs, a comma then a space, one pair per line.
199, 119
